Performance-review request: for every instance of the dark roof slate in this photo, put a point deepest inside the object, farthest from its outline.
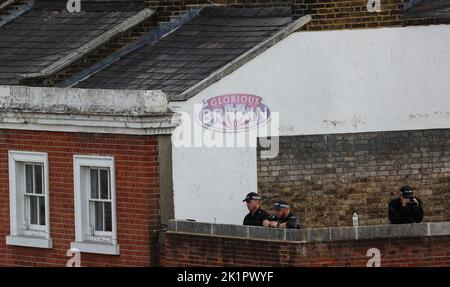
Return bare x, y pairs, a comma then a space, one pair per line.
429, 9
192, 52
39, 38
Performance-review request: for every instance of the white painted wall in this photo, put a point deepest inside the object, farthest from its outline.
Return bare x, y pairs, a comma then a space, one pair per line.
319, 82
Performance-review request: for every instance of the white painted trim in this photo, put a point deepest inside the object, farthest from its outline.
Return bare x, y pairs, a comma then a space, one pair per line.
81, 205
91, 129
118, 124
29, 241
97, 248
85, 110
87, 102
19, 236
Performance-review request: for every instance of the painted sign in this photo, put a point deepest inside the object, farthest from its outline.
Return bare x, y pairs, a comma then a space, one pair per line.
234, 113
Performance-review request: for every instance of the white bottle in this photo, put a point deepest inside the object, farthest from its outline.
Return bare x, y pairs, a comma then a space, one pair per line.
355, 219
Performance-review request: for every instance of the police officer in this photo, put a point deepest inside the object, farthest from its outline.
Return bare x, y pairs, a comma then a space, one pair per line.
284, 218
406, 208
256, 216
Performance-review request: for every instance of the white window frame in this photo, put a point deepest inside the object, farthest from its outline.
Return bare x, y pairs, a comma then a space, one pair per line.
100, 235
85, 240
22, 234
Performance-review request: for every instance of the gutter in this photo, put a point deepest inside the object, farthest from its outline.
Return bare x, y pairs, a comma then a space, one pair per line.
242, 59
91, 45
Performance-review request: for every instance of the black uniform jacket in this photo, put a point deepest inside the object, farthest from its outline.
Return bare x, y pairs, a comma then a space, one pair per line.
409, 214
257, 218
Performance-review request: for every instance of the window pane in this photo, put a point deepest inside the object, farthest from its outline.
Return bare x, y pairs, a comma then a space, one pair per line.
29, 178
104, 184
108, 218
33, 210
94, 183
98, 216
38, 179
41, 210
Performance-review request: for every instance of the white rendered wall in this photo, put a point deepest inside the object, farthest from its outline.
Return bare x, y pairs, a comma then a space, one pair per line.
320, 82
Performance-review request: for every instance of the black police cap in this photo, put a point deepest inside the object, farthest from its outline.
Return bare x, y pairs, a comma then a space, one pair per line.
251, 195
280, 204
406, 191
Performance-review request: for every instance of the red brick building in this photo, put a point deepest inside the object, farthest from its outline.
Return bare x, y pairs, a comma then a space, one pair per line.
97, 190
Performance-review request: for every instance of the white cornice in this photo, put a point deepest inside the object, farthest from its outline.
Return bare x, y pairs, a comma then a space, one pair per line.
161, 124
84, 110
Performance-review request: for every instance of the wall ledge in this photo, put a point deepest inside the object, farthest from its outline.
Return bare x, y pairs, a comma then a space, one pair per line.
310, 234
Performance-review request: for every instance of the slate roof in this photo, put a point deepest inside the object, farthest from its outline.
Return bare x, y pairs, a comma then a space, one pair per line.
429, 9
38, 38
188, 55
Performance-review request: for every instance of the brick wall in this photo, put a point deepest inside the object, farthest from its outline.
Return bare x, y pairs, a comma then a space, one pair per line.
168, 8
326, 177
136, 190
327, 14
194, 250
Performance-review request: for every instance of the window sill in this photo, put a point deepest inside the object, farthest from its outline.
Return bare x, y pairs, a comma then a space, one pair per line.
29, 241
95, 247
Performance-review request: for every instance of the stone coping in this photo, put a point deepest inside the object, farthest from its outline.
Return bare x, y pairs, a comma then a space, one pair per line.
310, 234
75, 101
86, 110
